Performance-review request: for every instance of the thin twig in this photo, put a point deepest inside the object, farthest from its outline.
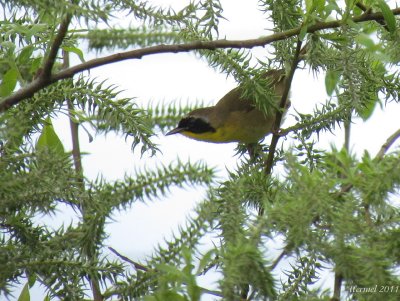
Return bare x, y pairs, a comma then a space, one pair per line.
383, 150
76, 151
363, 7
137, 266
337, 287
388, 143
94, 283
51, 58
74, 128
40, 83
367, 215
211, 292
288, 81
278, 259
368, 10
347, 132
44, 76
143, 268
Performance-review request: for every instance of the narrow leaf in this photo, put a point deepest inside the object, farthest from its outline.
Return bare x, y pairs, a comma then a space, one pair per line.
49, 139
331, 80
303, 32
36, 63
319, 5
366, 111
25, 296
31, 280
366, 41
309, 6
387, 15
75, 50
205, 261
25, 54
9, 82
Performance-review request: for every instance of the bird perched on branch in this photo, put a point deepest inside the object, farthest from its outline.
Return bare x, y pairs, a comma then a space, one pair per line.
233, 118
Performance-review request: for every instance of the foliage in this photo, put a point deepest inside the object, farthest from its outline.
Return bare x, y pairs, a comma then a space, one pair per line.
332, 210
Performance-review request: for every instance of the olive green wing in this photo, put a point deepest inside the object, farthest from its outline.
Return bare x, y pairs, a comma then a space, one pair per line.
233, 100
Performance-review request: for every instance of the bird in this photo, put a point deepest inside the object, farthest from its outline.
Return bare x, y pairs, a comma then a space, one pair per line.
234, 118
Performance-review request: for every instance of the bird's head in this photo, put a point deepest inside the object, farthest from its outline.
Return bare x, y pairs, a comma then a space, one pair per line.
197, 125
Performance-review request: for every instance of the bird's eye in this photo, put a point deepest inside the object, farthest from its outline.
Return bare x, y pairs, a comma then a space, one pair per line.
195, 125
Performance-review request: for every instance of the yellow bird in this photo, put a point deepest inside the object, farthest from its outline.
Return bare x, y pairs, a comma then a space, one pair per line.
233, 118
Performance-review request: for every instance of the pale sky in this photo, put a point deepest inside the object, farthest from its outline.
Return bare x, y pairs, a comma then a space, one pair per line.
183, 77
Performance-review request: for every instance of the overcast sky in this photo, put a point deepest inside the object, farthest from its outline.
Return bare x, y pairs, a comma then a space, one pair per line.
183, 77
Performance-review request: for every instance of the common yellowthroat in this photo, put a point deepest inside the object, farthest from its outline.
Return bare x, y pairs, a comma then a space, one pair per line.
233, 118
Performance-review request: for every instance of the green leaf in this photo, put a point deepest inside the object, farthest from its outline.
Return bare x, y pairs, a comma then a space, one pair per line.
25, 55
205, 261
9, 82
366, 111
25, 296
314, 5
309, 6
36, 63
387, 15
335, 37
75, 50
303, 32
354, 25
331, 80
366, 41
165, 296
9, 46
36, 29
319, 5
31, 280
49, 139
173, 272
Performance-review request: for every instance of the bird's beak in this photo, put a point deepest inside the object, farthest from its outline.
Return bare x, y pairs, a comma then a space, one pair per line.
175, 131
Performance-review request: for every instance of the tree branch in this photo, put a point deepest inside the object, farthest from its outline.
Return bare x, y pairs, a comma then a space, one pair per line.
279, 113
388, 143
278, 118
338, 280
368, 10
42, 82
278, 259
48, 64
143, 268
137, 266
383, 150
44, 76
363, 7
337, 287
